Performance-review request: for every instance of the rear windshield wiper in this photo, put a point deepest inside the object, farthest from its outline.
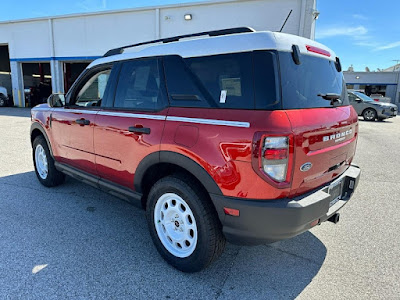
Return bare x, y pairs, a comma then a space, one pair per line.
331, 97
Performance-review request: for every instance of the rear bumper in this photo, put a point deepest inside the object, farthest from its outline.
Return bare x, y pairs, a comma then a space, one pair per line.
268, 221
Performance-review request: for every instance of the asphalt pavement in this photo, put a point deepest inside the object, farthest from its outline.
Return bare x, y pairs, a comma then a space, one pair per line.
76, 242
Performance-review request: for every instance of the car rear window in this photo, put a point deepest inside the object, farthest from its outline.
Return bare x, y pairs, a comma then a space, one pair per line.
301, 84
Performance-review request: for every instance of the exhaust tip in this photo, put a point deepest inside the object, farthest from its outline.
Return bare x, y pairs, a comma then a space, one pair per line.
334, 218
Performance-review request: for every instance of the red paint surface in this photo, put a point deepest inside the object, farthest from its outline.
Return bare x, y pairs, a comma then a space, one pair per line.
231, 155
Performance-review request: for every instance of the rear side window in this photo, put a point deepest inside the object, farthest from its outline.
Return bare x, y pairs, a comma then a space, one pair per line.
140, 86
301, 84
236, 81
227, 78
184, 89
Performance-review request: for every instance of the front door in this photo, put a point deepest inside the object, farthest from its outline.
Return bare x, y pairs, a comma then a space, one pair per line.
73, 125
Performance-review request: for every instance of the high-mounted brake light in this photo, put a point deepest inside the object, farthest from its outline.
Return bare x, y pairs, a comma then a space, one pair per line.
318, 50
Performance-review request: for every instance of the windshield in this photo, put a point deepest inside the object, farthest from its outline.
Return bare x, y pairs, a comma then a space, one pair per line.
363, 97
303, 84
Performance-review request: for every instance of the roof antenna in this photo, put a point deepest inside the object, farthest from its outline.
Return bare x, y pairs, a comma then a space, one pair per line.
284, 23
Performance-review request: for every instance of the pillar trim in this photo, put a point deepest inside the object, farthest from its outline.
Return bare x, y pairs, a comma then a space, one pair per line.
17, 83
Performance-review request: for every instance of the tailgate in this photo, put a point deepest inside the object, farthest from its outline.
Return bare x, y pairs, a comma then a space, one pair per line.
325, 138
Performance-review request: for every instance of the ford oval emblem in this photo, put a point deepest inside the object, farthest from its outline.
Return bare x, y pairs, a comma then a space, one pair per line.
305, 167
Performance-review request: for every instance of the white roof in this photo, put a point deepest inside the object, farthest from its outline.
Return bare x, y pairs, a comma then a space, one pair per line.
231, 43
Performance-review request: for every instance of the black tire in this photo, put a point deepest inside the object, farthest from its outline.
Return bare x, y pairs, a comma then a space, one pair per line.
3, 100
210, 240
53, 176
369, 114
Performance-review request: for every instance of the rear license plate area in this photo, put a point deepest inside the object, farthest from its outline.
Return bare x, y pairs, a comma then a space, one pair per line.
335, 190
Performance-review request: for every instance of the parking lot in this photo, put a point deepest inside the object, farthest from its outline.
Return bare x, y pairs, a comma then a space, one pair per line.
77, 242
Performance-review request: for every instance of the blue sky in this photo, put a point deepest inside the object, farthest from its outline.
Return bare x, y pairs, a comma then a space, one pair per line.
364, 33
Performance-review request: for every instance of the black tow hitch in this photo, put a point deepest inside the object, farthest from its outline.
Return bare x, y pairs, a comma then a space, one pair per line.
334, 218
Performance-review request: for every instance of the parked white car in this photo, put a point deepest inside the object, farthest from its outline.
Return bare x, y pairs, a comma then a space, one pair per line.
3, 96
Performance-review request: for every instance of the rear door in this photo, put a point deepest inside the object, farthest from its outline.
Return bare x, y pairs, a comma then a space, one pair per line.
325, 132
73, 125
130, 127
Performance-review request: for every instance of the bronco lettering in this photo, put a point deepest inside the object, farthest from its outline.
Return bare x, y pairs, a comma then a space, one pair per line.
336, 136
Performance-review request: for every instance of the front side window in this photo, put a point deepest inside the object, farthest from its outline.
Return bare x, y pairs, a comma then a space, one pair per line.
140, 86
92, 92
352, 98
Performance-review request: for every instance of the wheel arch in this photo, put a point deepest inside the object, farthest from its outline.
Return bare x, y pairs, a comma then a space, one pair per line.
163, 163
37, 130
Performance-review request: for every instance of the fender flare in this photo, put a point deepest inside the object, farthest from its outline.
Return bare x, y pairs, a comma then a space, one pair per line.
179, 160
37, 126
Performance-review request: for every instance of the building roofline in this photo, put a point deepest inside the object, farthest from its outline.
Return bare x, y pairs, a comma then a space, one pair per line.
117, 11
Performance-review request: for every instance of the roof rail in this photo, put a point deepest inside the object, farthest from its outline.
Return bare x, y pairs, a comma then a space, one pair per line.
177, 38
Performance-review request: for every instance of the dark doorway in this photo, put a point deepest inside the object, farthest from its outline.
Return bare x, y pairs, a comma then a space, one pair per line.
5, 74
72, 72
37, 83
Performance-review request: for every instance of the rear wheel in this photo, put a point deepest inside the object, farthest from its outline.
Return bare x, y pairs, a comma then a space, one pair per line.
45, 170
369, 114
183, 224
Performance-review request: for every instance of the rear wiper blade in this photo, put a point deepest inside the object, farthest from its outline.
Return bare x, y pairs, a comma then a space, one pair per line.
331, 97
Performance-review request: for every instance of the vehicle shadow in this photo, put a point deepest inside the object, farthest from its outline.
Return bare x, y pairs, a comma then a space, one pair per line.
389, 120
15, 111
74, 241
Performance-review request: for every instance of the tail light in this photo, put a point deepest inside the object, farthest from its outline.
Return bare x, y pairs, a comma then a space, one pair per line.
276, 159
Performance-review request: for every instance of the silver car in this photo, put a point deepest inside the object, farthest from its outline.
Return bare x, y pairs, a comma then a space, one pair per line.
370, 109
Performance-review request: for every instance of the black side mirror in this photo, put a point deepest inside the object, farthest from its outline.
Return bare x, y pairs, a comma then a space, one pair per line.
358, 100
56, 100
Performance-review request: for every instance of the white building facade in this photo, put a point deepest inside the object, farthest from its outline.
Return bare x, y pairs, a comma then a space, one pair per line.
72, 39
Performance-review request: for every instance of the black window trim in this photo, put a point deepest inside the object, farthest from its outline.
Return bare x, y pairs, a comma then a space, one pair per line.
278, 104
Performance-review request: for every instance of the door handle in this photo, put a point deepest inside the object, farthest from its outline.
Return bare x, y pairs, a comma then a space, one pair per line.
82, 122
139, 130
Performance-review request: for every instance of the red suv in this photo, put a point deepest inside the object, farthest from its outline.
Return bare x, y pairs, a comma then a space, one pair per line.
226, 135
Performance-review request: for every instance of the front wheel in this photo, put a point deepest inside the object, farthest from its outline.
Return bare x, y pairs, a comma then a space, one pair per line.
369, 114
183, 224
45, 170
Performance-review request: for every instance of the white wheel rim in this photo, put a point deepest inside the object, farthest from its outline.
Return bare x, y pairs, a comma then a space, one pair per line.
175, 225
41, 162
